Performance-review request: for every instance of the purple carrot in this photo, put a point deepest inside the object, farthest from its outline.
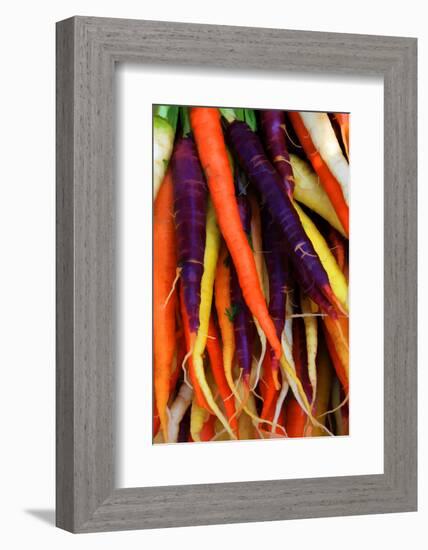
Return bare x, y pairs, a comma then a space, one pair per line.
278, 275
184, 428
275, 258
240, 314
249, 151
272, 124
190, 203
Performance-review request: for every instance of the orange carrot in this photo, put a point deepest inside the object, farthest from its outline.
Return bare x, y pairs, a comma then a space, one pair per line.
343, 122
156, 421
164, 272
270, 393
212, 151
337, 338
329, 182
208, 429
295, 419
216, 362
337, 246
223, 306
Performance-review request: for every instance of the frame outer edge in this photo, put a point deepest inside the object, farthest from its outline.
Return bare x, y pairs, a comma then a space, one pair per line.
65, 57
94, 275
94, 504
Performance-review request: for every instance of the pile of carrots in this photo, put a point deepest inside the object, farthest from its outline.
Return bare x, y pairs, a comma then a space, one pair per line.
251, 261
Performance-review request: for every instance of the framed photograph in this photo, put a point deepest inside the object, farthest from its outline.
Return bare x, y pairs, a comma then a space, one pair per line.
236, 274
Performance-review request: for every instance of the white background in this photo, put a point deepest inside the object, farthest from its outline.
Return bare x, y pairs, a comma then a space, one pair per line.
362, 452
27, 274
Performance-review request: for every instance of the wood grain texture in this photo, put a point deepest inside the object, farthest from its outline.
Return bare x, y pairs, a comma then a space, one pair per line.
87, 49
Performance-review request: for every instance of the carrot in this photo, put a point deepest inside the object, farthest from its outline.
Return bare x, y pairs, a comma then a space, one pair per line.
295, 419
257, 245
336, 277
270, 393
324, 376
248, 421
207, 287
273, 131
199, 394
164, 269
309, 191
287, 346
342, 120
184, 434
208, 429
328, 179
225, 318
215, 162
216, 363
277, 426
241, 316
164, 124
250, 153
178, 410
246, 427
156, 421
311, 331
337, 247
278, 274
223, 306
198, 417
341, 410
321, 132
252, 158
212, 152
338, 348
178, 362
190, 203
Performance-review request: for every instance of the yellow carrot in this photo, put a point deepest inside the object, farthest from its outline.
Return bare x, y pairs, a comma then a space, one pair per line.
309, 191
212, 248
247, 425
198, 417
336, 277
311, 331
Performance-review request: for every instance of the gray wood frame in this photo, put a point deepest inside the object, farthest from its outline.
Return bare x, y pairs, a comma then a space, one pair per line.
87, 50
